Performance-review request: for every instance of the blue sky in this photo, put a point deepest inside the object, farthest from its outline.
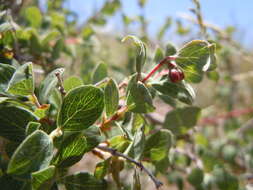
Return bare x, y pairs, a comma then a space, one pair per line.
220, 12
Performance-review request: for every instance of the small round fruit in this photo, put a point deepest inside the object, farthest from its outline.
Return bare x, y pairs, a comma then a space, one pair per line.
176, 75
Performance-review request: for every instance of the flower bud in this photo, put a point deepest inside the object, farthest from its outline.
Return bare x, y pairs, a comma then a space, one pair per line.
176, 75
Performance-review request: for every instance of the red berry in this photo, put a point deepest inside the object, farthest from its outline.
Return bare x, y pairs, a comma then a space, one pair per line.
172, 65
176, 75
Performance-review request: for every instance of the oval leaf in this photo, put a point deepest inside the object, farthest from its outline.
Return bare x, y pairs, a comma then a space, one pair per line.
41, 179
81, 107
100, 73
48, 84
83, 180
33, 154
141, 54
6, 72
22, 82
111, 97
181, 90
158, 144
193, 58
140, 99
71, 151
71, 83
13, 121
181, 119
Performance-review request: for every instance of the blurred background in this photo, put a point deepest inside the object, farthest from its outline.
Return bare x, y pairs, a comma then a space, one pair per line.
79, 34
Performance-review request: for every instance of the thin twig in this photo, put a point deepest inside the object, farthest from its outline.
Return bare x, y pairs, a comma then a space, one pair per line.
60, 83
166, 60
114, 152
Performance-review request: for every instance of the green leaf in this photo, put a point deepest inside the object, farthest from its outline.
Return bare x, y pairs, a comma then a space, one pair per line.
72, 82
170, 50
57, 49
168, 100
22, 81
102, 169
7, 182
81, 107
13, 121
33, 16
213, 75
158, 144
194, 59
225, 180
159, 55
140, 99
93, 137
87, 32
31, 127
42, 111
41, 180
35, 44
100, 73
119, 142
83, 181
50, 36
196, 177
48, 85
111, 97
138, 121
6, 72
213, 59
181, 119
141, 52
110, 7
136, 148
180, 90
71, 150
33, 154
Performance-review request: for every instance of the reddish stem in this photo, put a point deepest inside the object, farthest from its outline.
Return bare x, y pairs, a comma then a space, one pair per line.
114, 117
152, 72
162, 62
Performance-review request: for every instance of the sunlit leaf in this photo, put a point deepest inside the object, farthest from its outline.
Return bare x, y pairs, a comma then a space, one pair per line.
33, 154
81, 107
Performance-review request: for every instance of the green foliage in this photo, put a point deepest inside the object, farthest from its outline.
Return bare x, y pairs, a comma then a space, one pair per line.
139, 99
182, 119
125, 110
83, 180
111, 97
193, 59
41, 179
100, 73
6, 72
33, 16
159, 150
141, 52
71, 150
47, 85
81, 107
14, 129
33, 154
72, 82
22, 82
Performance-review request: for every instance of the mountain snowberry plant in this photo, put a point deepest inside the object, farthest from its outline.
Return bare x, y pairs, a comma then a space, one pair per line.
48, 127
